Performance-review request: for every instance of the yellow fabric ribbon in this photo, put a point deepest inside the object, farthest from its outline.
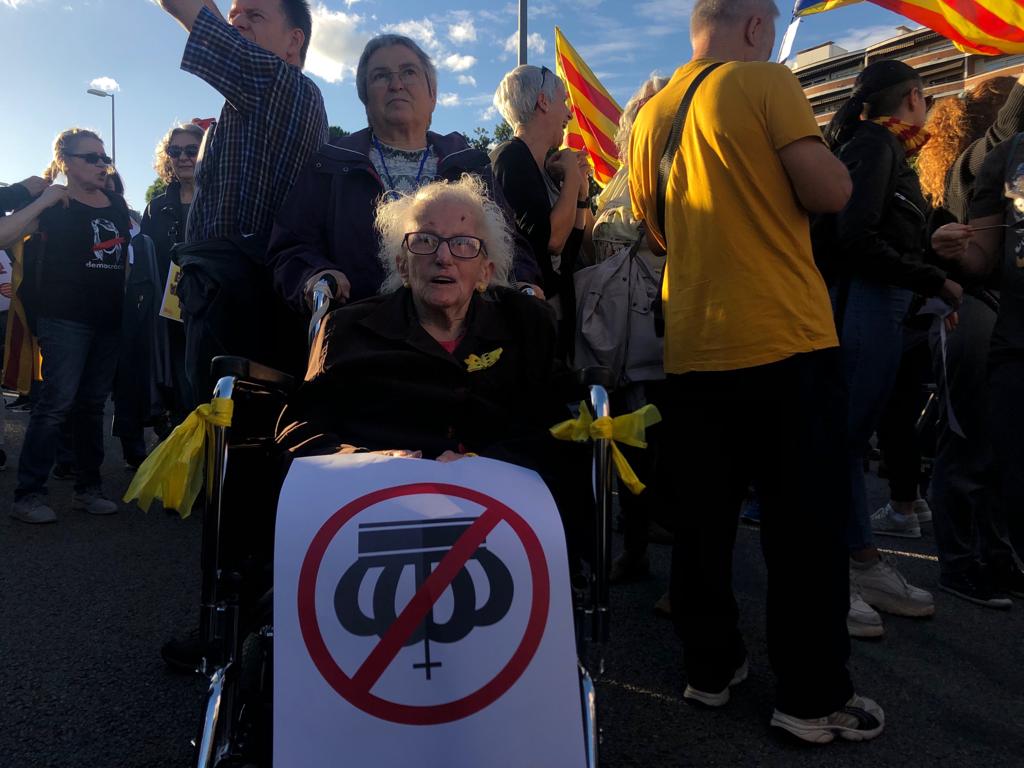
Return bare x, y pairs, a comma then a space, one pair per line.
173, 472
630, 428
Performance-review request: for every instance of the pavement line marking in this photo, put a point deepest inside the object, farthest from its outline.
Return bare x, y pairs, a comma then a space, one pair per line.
642, 691
915, 555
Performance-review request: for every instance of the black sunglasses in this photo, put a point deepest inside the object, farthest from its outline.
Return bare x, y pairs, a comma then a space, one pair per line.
465, 247
543, 76
190, 151
93, 158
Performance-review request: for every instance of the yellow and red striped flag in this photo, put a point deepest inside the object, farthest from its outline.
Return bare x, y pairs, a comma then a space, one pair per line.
976, 26
595, 114
22, 361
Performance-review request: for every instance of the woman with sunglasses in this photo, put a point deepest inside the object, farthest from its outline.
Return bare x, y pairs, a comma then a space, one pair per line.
873, 255
164, 221
81, 260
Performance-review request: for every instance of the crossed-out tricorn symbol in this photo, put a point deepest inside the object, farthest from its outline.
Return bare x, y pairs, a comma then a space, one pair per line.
392, 547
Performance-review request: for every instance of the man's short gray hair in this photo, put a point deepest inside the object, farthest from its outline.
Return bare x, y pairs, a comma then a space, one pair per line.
518, 91
394, 217
717, 13
386, 41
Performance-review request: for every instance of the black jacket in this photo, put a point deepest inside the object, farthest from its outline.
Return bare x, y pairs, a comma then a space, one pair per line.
882, 233
327, 220
164, 222
13, 197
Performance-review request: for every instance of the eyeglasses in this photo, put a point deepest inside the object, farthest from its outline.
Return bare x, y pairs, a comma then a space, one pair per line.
381, 78
93, 158
465, 247
543, 76
175, 151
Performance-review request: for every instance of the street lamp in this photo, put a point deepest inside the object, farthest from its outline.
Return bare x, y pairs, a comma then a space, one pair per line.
113, 135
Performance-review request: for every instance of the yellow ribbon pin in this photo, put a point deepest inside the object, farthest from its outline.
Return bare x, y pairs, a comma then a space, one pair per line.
630, 428
173, 473
486, 360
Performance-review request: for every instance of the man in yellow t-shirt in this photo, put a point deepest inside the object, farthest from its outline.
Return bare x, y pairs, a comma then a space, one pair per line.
754, 392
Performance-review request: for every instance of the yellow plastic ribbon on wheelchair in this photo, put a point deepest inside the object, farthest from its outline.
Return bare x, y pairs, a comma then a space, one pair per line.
173, 473
630, 429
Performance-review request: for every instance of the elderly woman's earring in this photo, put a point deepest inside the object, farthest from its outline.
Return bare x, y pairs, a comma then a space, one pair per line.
481, 287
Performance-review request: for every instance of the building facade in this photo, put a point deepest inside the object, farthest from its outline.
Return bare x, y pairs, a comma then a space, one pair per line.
827, 72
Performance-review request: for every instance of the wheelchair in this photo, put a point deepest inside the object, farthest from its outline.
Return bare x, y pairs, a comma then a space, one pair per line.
236, 627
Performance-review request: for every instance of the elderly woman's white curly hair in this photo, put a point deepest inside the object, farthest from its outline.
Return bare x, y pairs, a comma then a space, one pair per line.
395, 217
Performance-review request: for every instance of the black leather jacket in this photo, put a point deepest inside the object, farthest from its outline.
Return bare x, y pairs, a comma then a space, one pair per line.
882, 233
164, 221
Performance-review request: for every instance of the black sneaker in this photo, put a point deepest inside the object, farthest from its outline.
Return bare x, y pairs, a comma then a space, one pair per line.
21, 404
3, 459
64, 471
974, 587
183, 655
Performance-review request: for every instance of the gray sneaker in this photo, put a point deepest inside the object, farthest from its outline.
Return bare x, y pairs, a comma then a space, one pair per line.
888, 522
860, 720
862, 620
33, 509
883, 588
94, 502
923, 511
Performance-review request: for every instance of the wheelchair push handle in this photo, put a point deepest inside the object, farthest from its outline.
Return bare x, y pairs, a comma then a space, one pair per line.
323, 292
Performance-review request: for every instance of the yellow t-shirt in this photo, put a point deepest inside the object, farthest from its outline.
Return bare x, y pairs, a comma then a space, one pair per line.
742, 288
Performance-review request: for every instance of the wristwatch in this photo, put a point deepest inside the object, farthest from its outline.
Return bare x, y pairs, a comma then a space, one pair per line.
585, 203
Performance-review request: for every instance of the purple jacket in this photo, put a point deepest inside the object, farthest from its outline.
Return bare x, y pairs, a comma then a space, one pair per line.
327, 220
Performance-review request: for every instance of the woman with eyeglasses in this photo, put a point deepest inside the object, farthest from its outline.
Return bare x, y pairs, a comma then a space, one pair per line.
78, 301
164, 221
447, 360
873, 254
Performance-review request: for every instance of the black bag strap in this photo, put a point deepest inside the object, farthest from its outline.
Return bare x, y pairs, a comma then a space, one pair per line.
674, 137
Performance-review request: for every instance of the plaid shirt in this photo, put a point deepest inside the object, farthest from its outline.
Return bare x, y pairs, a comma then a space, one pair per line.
272, 122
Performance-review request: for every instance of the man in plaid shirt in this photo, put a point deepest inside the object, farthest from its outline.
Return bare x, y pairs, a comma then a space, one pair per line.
272, 122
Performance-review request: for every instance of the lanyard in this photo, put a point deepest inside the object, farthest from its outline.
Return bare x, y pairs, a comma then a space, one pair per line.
387, 173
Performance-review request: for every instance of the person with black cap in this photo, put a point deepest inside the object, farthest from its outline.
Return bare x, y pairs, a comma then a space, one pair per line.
873, 254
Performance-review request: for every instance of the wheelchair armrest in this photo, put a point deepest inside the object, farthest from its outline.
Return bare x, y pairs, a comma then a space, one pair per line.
252, 372
597, 374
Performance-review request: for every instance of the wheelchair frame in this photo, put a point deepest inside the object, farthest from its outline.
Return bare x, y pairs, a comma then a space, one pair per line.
219, 623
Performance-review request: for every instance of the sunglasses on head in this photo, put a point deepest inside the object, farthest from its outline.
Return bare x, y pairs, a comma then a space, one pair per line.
190, 151
543, 77
92, 158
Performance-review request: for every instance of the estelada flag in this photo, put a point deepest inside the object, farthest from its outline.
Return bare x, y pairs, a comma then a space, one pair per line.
595, 114
22, 361
977, 26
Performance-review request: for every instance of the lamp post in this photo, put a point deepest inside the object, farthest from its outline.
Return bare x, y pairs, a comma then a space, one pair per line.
113, 134
522, 32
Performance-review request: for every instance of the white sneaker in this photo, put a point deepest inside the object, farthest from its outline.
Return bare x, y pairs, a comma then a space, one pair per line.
862, 620
721, 698
93, 502
33, 509
923, 511
861, 719
883, 587
888, 522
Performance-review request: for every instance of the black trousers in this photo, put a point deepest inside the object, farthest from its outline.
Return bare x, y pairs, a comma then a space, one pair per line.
230, 308
781, 427
1006, 392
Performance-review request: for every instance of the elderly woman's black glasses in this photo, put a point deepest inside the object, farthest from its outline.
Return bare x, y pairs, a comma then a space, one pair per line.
190, 151
93, 158
464, 247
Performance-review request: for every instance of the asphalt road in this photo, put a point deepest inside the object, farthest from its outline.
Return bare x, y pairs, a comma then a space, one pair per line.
86, 603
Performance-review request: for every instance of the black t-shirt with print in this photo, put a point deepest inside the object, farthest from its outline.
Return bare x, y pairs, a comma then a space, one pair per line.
84, 259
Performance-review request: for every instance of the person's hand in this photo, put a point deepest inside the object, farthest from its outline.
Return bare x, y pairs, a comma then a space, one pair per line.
952, 292
951, 321
54, 194
582, 160
342, 287
6, 290
35, 185
950, 241
449, 456
401, 453
564, 163
530, 289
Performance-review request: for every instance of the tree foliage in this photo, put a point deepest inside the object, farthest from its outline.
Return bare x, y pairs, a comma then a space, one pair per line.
481, 139
335, 132
158, 187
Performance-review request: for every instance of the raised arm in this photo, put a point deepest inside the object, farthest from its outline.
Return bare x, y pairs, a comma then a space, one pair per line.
24, 221
186, 11
820, 180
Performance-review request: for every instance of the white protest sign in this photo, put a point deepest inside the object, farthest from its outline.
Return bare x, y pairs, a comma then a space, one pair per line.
422, 616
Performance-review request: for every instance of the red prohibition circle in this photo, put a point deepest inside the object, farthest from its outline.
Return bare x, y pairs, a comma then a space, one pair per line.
409, 714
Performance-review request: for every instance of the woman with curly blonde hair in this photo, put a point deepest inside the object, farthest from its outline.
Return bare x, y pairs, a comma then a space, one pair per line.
963, 130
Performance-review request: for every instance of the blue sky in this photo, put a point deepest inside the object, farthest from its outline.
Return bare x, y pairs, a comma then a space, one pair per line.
54, 49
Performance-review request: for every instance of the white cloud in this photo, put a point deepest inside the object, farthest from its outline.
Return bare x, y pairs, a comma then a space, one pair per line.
457, 62
336, 44
534, 42
13, 3
663, 10
858, 39
491, 113
107, 84
422, 31
462, 32
448, 99
467, 80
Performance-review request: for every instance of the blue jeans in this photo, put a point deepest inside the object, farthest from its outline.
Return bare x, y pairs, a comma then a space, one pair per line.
78, 374
870, 322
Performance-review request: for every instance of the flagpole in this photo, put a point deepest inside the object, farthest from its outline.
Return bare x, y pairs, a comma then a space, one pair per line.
522, 32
